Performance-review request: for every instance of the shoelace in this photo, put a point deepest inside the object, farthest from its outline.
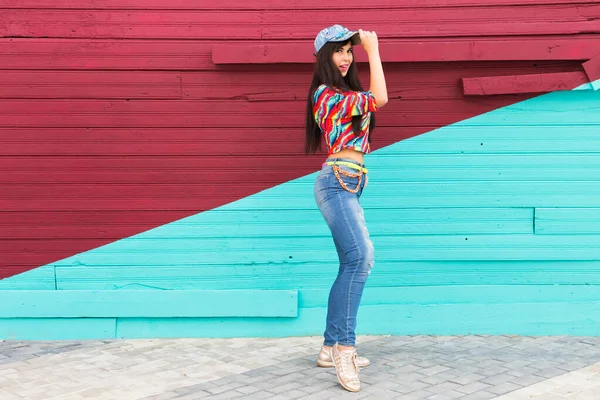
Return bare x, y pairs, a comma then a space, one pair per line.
348, 360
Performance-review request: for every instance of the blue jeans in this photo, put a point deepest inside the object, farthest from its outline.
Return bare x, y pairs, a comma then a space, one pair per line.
345, 218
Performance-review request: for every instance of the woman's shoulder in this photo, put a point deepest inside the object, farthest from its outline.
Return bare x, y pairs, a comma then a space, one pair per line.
323, 92
331, 91
324, 88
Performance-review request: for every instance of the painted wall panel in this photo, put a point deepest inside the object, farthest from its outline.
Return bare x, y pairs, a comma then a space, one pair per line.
268, 4
156, 151
567, 221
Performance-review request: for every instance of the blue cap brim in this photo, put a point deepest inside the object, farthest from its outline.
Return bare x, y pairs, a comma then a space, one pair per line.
350, 35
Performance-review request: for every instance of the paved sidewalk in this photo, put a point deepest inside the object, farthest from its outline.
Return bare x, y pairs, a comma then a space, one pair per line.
404, 367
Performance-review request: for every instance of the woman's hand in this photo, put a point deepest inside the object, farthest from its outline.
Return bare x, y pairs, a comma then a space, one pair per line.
368, 40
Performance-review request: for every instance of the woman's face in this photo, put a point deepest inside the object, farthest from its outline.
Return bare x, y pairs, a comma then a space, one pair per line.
342, 58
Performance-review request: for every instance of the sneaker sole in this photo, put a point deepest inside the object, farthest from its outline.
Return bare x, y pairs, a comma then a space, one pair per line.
329, 364
325, 364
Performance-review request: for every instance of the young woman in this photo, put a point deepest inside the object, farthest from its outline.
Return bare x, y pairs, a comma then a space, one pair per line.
339, 110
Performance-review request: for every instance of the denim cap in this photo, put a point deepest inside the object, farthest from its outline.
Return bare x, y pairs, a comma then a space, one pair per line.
335, 33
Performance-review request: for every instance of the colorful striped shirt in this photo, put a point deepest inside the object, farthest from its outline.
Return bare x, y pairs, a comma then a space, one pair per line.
333, 111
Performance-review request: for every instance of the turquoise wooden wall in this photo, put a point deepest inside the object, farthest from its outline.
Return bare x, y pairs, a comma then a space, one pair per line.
487, 226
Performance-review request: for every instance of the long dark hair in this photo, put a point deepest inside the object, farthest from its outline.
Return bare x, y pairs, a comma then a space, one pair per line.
326, 72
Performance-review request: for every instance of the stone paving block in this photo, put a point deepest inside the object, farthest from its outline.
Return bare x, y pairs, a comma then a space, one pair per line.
449, 395
466, 379
230, 394
495, 380
472, 388
282, 389
504, 388
263, 394
443, 387
436, 369
316, 388
417, 395
410, 387
225, 387
434, 379
549, 372
247, 389
194, 396
479, 396
526, 380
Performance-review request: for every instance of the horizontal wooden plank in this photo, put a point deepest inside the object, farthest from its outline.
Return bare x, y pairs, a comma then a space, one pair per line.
577, 47
198, 113
90, 85
320, 275
564, 221
109, 225
399, 168
410, 81
530, 319
395, 169
507, 139
460, 294
200, 142
132, 24
188, 113
441, 22
81, 164
264, 223
266, 4
463, 194
410, 195
57, 328
143, 303
510, 84
415, 23
86, 54
203, 251
526, 319
41, 278
382, 190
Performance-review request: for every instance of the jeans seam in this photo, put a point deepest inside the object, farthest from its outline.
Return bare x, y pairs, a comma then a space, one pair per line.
353, 275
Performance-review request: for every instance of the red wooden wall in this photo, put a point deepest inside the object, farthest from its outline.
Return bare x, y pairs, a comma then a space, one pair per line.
117, 116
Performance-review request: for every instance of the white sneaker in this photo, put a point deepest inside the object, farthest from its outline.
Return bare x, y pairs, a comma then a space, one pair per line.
346, 368
325, 361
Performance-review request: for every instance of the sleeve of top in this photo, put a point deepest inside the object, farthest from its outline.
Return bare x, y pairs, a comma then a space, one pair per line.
346, 104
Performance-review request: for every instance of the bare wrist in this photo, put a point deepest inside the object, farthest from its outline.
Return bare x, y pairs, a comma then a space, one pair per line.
373, 53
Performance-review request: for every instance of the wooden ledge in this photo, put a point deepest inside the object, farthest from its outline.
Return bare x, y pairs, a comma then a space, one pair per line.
522, 49
513, 84
592, 70
147, 303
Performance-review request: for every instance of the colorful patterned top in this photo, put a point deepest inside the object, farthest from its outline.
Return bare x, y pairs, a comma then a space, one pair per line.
333, 112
